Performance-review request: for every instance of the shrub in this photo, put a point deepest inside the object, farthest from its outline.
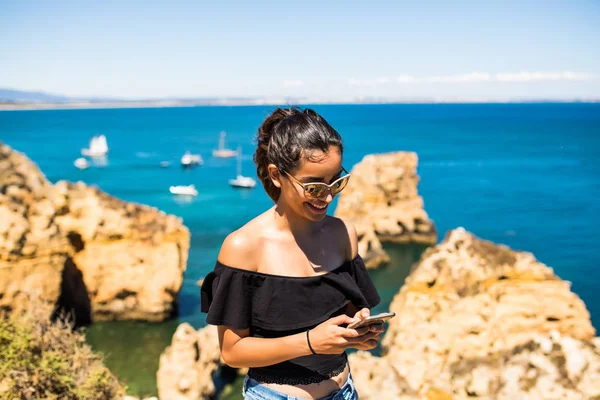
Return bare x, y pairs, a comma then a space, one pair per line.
40, 358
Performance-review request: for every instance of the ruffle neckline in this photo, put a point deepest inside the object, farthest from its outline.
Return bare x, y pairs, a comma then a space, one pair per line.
275, 276
242, 299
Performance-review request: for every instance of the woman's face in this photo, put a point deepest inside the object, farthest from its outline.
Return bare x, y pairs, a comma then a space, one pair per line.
321, 167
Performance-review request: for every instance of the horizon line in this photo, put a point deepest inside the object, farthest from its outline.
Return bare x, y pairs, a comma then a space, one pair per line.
62, 98
216, 102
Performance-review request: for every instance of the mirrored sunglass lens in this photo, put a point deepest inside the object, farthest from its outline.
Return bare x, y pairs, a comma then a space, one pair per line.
339, 186
315, 190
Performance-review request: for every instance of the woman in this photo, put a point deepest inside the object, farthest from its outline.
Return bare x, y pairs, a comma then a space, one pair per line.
286, 284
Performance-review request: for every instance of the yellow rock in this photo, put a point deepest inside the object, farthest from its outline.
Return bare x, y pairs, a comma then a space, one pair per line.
103, 257
382, 201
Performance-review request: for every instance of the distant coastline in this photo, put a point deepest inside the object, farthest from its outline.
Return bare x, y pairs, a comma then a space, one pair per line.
84, 104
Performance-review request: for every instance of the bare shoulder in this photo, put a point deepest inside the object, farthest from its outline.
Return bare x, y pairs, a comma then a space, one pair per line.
345, 232
239, 249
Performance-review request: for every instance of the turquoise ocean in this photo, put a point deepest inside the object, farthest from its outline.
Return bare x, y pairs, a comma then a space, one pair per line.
526, 175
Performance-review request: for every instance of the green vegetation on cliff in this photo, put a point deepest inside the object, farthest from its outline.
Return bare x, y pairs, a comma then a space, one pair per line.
44, 359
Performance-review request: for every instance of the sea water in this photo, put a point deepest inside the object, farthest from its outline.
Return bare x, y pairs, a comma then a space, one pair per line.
526, 175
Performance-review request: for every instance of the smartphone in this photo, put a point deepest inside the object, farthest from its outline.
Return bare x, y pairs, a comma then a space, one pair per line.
373, 319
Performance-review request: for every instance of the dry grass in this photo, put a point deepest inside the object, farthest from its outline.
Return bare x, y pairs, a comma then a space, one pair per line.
44, 359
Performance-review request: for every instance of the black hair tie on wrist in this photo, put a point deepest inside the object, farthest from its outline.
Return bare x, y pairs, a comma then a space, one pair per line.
308, 341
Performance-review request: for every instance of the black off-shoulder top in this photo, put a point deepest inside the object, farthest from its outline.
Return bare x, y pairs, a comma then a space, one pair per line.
272, 306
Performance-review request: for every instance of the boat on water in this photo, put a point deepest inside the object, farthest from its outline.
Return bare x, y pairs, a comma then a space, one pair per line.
183, 190
241, 181
223, 152
98, 147
244, 182
189, 160
81, 163
165, 164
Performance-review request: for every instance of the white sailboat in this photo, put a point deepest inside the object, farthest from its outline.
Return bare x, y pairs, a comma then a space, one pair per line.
81, 163
98, 147
241, 181
189, 160
222, 152
183, 190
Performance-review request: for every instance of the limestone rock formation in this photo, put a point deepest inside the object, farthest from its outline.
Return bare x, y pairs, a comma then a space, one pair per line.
131, 257
383, 203
186, 367
33, 250
478, 320
85, 250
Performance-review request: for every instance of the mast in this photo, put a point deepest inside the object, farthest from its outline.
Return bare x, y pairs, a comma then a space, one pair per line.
239, 162
222, 140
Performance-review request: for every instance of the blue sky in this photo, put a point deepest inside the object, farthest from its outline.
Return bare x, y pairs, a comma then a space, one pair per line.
337, 49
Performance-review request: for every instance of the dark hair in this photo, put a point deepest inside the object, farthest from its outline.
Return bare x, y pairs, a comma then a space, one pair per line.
288, 135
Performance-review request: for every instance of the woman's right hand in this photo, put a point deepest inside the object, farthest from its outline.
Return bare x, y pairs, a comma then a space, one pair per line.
330, 338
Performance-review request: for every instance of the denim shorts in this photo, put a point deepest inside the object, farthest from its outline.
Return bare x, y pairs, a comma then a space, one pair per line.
254, 390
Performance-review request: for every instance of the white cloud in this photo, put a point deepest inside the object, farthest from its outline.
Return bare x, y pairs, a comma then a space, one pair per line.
471, 77
525, 76
405, 79
358, 82
463, 78
293, 83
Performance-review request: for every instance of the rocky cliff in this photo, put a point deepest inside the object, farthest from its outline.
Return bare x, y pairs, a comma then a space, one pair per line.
186, 367
383, 203
79, 247
478, 320
33, 250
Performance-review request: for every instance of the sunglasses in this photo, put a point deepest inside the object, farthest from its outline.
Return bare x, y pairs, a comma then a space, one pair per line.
314, 190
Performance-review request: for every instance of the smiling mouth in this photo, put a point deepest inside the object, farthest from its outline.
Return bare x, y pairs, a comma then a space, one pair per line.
317, 208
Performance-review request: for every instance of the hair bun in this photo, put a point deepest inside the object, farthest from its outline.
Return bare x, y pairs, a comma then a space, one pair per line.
265, 131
